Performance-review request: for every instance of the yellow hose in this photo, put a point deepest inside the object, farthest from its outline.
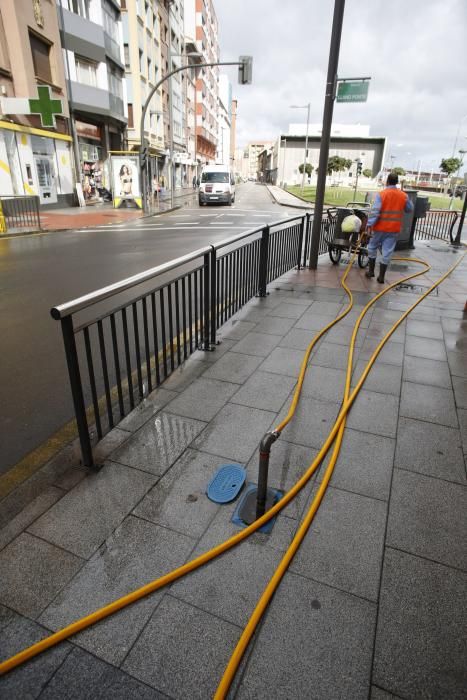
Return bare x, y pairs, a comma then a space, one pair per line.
276, 578
172, 576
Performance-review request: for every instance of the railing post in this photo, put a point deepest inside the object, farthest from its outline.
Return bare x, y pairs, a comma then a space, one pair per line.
206, 345
77, 391
306, 237
213, 305
263, 263
38, 213
457, 240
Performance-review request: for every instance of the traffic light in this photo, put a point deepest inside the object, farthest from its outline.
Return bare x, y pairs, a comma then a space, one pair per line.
359, 167
245, 70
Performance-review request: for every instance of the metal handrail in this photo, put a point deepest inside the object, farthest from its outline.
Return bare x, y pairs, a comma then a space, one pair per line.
71, 307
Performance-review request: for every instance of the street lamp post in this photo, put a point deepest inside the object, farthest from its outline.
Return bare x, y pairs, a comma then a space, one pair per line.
307, 107
284, 141
243, 63
457, 135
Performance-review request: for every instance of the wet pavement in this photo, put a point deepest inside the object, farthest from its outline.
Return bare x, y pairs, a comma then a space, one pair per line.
373, 605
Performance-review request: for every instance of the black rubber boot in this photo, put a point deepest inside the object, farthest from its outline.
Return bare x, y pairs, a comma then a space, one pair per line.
382, 272
371, 267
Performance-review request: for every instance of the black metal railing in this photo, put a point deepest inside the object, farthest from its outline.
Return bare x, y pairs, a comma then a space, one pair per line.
116, 358
438, 223
20, 213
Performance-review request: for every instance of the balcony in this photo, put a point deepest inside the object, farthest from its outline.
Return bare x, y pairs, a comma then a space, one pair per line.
86, 98
82, 36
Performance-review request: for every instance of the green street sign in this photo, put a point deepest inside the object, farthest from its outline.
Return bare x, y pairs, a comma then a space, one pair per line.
352, 91
45, 106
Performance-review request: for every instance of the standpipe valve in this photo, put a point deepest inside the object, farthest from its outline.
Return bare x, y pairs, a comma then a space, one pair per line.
264, 452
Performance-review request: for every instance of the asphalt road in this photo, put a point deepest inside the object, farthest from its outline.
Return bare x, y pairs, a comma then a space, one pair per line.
42, 270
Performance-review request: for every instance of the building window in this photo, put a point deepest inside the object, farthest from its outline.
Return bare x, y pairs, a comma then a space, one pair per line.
149, 69
86, 71
81, 8
130, 116
115, 82
110, 20
126, 52
40, 57
141, 61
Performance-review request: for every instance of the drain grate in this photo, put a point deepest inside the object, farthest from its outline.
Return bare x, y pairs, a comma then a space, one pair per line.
413, 288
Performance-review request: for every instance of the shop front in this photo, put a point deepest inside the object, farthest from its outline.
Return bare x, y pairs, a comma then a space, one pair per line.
36, 162
94, 168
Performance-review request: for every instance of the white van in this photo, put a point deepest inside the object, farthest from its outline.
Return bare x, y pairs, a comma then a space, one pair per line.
217, 185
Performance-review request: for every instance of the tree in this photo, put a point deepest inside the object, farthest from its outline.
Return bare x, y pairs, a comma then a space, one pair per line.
398, 171
336, 164
347, 163
308, 168
450, 165
367, 173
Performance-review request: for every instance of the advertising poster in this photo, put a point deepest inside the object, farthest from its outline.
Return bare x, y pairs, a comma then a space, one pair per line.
126, 181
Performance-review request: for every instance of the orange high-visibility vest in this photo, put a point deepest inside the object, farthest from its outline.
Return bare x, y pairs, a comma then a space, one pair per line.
393, 203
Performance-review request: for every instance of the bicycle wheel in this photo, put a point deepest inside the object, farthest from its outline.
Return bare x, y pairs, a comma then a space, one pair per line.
363, 258
335, 254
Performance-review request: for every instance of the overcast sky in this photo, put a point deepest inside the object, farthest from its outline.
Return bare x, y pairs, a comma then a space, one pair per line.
415, 51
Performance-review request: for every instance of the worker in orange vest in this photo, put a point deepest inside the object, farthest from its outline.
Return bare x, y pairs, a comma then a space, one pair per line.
385, 219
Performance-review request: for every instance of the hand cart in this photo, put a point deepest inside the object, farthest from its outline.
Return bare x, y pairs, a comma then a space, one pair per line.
338, 240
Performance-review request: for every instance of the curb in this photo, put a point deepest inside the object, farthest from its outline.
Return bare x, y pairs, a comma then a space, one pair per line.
294, 206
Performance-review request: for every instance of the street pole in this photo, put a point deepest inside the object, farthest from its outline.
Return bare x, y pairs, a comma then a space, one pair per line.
283, 161
306, 147
171, 113
157, 86
326, 131
457, 241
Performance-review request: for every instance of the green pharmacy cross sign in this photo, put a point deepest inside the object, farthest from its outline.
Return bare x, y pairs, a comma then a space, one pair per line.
43, 105
352, 90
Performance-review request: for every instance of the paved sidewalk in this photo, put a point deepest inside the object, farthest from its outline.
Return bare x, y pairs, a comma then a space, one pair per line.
101, 214
287, 199
374, 603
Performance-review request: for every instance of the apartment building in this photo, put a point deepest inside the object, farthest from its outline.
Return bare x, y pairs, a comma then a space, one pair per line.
92, 41
34, 159
141, 29
252, 152
201, 23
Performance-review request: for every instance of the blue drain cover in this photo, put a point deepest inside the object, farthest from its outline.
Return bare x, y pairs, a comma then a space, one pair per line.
226, 483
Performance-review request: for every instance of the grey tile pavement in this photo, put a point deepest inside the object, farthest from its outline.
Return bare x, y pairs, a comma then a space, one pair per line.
259, 344
429, 403
33, 572
264, 390
84, 676
156, 446
234, 367
364, 465
344, 546
326, 637
202, 399
134, 524
28, 680
427, 517
135, 554
235, 432
420, 640
373, 412
427, 448
423, 371
178, 501
175, 652
85, 517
